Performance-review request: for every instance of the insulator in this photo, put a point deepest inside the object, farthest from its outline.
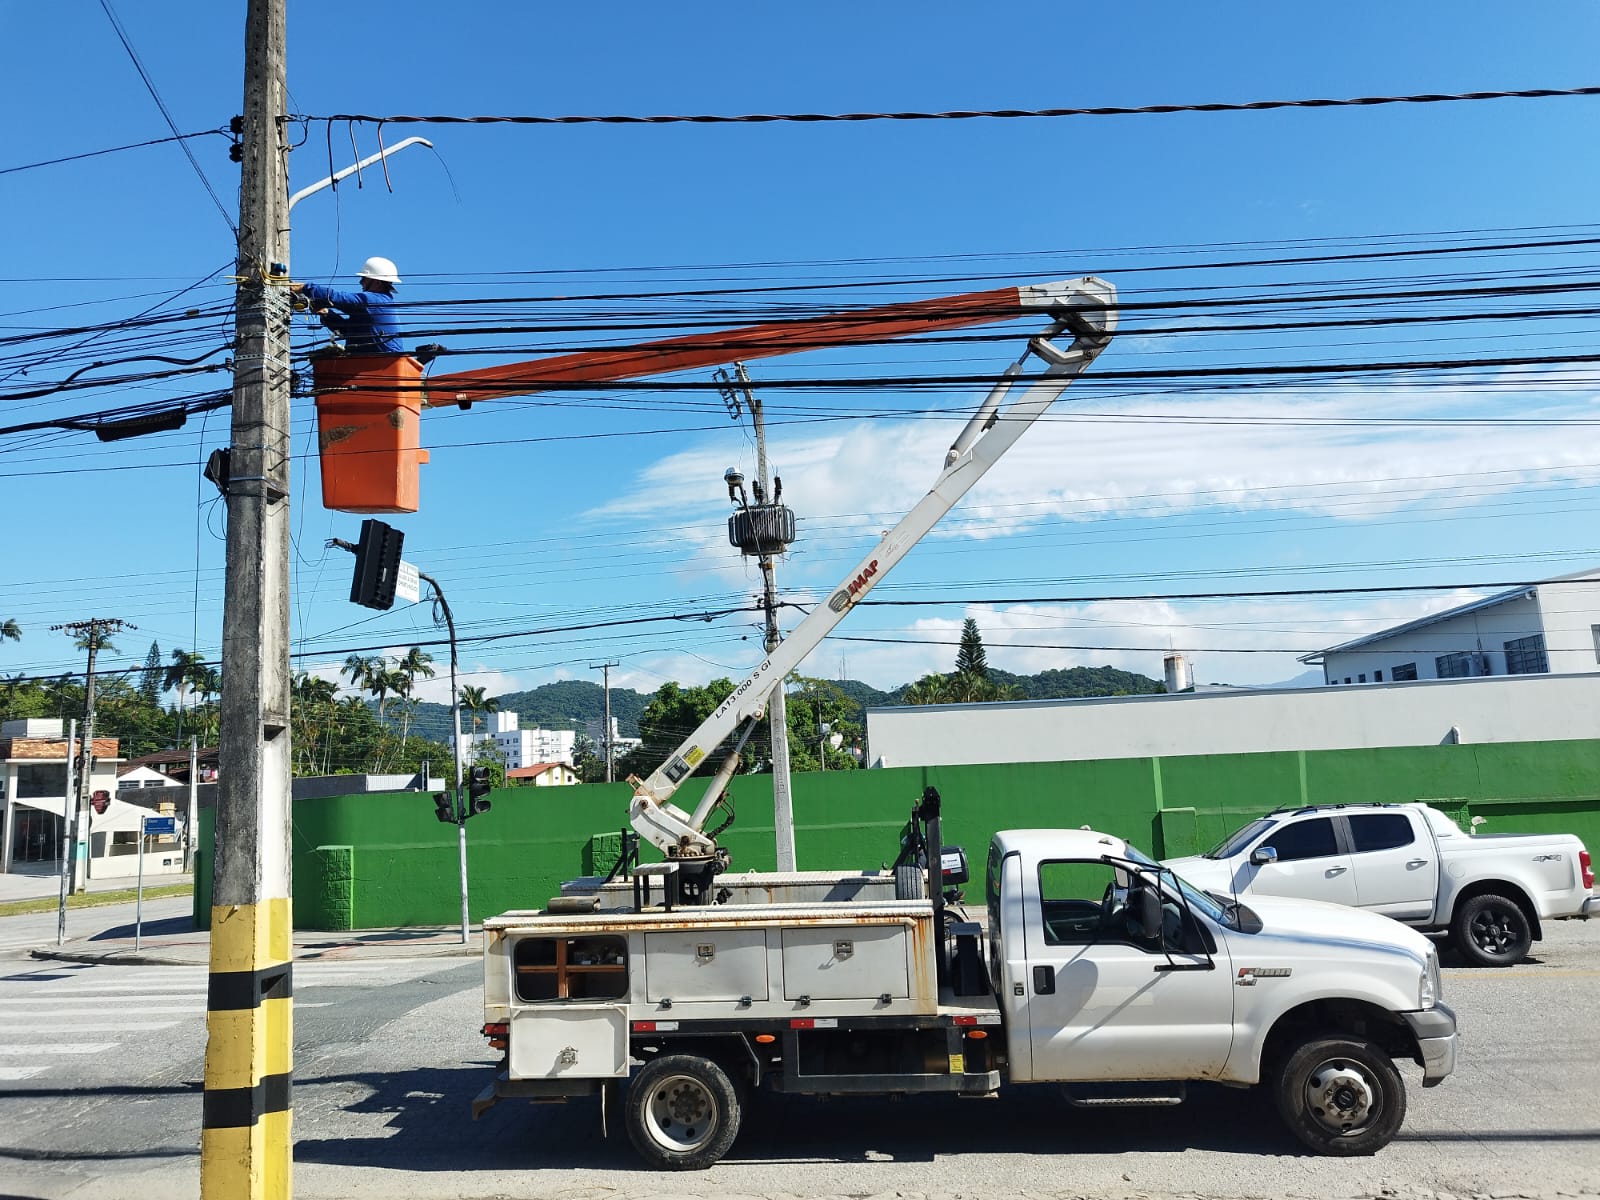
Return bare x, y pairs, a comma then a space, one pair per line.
762, 529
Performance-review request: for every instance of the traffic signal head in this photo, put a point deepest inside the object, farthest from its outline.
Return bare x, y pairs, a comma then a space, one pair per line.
444, 808
478, 791
377, 565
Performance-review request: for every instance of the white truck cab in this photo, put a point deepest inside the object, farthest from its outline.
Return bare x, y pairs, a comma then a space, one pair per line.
1488, 893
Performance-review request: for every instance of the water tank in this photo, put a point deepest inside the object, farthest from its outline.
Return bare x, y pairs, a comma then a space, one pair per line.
1177, 671
762, 529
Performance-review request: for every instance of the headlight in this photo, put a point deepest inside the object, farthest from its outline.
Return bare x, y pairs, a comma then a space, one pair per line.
1430, 985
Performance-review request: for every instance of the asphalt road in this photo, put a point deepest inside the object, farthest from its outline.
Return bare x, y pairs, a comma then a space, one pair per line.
388, 1057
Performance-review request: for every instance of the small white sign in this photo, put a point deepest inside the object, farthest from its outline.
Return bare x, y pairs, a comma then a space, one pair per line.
406, 584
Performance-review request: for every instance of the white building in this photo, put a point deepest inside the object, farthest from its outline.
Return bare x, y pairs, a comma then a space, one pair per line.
33, 807
1551, 627
521, 747
1523, 708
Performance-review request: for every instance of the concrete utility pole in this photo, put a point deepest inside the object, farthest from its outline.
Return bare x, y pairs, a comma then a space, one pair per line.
93, 634
777, 715
245, 1147
605, 741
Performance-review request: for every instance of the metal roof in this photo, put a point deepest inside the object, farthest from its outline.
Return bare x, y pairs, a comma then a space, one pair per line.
1516, 593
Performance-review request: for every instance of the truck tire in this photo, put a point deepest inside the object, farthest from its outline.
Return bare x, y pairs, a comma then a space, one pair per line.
1341, 1096
908, 884
1491, 931
682, 1112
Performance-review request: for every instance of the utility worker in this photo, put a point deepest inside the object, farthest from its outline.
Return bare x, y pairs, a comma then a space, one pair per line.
366, 319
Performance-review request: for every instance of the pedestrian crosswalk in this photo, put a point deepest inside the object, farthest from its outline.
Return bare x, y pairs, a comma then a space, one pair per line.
58, 1012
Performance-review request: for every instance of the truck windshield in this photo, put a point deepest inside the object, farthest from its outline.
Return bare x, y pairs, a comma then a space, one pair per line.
1238, 840
1197, 899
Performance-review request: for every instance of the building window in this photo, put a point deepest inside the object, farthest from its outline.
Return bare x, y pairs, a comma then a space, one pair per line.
1403, 672
1347, 679
1361, 678
1526, 656
1377, 677
1595, 630
1459, 665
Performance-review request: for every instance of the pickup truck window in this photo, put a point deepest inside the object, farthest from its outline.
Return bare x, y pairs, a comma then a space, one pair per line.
1080, 902
1381, 831
1239, 839
1312, 838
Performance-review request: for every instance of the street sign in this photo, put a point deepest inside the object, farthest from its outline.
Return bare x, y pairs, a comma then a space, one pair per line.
156, 826
406, 584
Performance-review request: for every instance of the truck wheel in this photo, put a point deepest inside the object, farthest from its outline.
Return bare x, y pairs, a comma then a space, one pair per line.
1341, 1096
682, 1113
1491, 931
908, 883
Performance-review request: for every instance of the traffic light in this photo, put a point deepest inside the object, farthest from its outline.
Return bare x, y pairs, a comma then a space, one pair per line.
377, 565
478, 791
444, 807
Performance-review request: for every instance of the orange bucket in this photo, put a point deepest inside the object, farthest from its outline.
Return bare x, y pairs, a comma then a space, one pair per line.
368, 430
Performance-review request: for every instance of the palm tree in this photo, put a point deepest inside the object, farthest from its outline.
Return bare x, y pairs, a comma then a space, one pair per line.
930, 689
185, 670
360, 669
414, 664
475, 702
10, 631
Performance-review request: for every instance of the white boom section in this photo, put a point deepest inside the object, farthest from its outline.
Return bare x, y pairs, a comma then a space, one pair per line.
1084, 307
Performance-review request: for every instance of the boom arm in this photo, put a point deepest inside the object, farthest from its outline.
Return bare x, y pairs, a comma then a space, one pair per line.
755, 341
1085, 308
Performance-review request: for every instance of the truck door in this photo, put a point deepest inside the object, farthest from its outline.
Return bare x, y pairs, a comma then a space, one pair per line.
1310, 865
1100, 1005
1396, 864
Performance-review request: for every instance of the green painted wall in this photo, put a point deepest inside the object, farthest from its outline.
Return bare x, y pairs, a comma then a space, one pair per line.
380, 861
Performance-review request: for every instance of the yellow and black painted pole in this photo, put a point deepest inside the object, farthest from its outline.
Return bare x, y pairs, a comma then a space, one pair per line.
245, 1137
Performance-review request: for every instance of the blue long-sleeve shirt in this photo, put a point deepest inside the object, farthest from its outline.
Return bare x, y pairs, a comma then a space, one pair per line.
368, 324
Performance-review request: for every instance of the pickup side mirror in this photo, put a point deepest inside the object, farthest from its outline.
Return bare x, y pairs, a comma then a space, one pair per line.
1146, 905
1263, 855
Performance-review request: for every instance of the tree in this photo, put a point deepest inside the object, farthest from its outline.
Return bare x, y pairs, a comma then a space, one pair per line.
414, 664
475, 702
10, 631
186, 669
150, 678
811, 704
671, 715
970, 658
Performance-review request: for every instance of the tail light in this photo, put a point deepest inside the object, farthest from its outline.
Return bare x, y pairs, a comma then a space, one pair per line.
1587, 867
498, 1033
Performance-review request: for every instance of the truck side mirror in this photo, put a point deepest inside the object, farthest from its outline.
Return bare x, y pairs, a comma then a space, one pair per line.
1263, 855
1147, 907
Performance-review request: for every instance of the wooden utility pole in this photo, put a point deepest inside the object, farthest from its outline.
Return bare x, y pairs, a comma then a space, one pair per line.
245, 1148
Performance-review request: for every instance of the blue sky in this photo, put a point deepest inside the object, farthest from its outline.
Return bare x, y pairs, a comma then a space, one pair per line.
608, 506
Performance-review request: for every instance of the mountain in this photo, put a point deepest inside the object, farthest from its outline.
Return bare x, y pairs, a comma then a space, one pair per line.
569, 704
572, 703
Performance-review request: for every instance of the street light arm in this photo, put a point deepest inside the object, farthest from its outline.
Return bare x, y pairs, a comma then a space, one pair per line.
354, 167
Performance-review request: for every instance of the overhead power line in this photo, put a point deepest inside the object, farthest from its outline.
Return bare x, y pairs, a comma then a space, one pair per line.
960, 114
53, 162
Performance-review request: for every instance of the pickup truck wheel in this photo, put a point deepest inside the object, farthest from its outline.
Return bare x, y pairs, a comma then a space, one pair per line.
682, 1112
1491, 931
1341, 1096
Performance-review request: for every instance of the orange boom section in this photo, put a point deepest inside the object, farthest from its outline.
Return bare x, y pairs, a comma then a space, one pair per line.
714, 349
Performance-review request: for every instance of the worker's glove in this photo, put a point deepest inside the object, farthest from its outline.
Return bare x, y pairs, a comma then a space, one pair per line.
298, 302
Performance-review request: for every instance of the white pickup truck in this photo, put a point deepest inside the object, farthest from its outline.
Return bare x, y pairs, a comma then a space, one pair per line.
1488, 892
1095, 968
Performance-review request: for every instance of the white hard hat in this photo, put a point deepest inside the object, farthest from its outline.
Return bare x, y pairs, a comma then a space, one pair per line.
380, 269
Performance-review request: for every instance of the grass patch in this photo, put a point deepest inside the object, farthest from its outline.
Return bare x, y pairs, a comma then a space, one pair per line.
13, 908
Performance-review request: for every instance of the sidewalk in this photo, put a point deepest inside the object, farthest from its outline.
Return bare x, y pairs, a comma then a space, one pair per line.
167, 936
28, 885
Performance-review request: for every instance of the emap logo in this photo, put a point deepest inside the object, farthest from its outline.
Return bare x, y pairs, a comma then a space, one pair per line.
845, 596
